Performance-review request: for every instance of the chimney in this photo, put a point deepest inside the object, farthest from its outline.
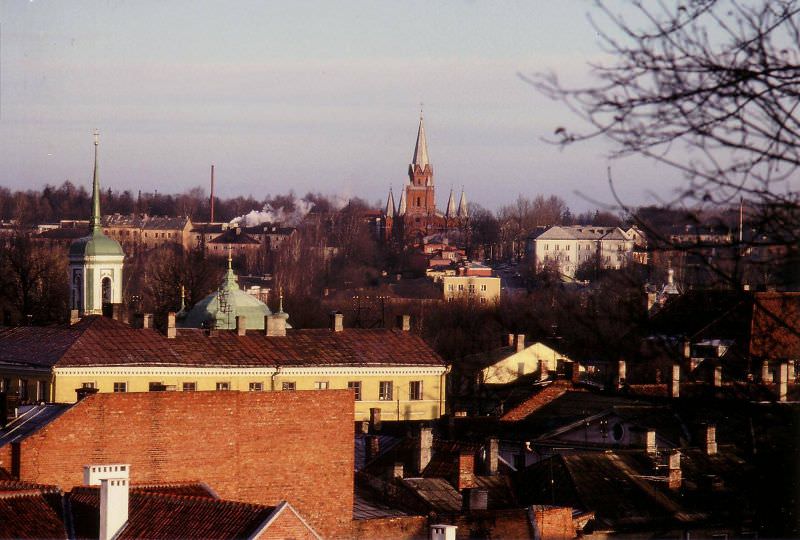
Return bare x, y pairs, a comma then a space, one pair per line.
650, 442
520, 342
241, 325
443, 532
372, 447
274, 325
766, 376
114, 487
147, 320
711, 439
675, 381
510, 340
362, 427
404, 322
74, 316
621, 373
717, 376
492, 455
337, 321
575, 376
465, 471
424, 447
171, 332
687, 349
84, 392
790, 371
375, 419
397, 470
783, 381
674, 475
474, 499
117, 312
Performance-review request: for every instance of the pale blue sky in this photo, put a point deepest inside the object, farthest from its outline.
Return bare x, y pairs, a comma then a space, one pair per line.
320, 96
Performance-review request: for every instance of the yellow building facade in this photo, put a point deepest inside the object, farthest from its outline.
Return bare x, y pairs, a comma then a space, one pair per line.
486, 290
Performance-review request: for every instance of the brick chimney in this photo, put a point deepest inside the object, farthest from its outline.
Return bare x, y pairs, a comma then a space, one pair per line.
674, 477
465, 471
575, 375
404, 322
171, 331
375, 419
114, 490
241, 325
510, 338
520, 342
711, 439
675, 381
783, 381
424, 448
337, 321
372, 447
84, 391
274, 325
492, 456
619, 381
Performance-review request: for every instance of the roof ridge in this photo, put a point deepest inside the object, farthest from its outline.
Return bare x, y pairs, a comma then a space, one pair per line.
204, 500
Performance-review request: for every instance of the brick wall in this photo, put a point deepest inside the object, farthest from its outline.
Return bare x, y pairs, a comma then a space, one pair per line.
287, 525
397, 528
248, 446
5, 459
554, 523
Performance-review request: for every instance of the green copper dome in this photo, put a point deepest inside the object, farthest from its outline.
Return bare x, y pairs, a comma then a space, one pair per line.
221, 308
96, 244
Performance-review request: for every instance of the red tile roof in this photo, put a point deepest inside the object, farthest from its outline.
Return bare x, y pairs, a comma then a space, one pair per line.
98, 340
775, 327
537, 401
159, 515
31, 513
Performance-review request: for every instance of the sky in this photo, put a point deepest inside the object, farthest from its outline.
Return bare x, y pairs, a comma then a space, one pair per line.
305, 96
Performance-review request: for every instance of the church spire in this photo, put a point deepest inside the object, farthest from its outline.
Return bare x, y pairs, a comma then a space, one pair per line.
421, 148
95, 222
390, 205
462, 206
451, 206
401, 208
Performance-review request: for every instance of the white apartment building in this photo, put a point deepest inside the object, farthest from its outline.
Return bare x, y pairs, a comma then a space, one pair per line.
571, 246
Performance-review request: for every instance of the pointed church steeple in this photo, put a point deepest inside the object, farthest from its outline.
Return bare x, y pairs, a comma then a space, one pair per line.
390, 205
451, 206
463, 212
401, 208
95, 221
420, 157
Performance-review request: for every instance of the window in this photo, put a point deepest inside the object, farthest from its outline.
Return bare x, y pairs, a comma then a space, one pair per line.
5, 385
87, 385
483, 300
546, 247
566, 258
288, 386
483, 287
567, 247
23, 389
156, 387
120, 387
256, 387
41, 391
320, 385
415, 390
385, 391
223, 386
189, 386
419, 201
355, 386
460, 287
557, 247
471, 287
450, 287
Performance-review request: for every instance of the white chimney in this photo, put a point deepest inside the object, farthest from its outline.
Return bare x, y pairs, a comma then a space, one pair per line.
114, 488
711, 439
241, 325
337, 321
717, 376
766, 375
674, 476
171, 331
275, 325
675, 381
621, 373
650, 441
783, 381
424, 448
443, 532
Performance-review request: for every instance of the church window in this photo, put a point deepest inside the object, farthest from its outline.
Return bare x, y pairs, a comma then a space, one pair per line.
106, 286
415, 390
355, 386
385, 390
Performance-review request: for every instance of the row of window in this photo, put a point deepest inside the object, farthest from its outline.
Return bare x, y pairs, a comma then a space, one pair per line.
385, 388
451, 287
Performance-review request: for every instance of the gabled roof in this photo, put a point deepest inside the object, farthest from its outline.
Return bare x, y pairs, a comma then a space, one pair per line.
31, 514
165, 223
231, 236
101, 341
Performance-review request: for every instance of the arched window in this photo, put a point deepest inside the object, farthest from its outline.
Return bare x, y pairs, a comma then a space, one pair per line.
106, 286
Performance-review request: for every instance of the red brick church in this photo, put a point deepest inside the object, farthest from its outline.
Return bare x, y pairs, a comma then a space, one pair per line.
416, 216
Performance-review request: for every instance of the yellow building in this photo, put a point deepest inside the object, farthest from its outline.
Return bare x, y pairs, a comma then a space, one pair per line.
392, 370
486, 290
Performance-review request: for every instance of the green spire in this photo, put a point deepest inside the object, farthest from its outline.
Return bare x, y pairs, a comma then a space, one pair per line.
230, 281
95, 222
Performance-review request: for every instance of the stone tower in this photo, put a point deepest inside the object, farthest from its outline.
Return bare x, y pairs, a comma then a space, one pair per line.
95, 261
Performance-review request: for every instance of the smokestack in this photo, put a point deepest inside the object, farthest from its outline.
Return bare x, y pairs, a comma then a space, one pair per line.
274, 325
520, 342
241, 325
404, 322
711, 439
424, 447
492, 456
674, 478
783, 381
171, 331
337, 321
621, 373
212, 194
114, 490
675, 381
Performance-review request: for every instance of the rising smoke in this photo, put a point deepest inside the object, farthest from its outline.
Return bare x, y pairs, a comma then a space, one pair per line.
268, 214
